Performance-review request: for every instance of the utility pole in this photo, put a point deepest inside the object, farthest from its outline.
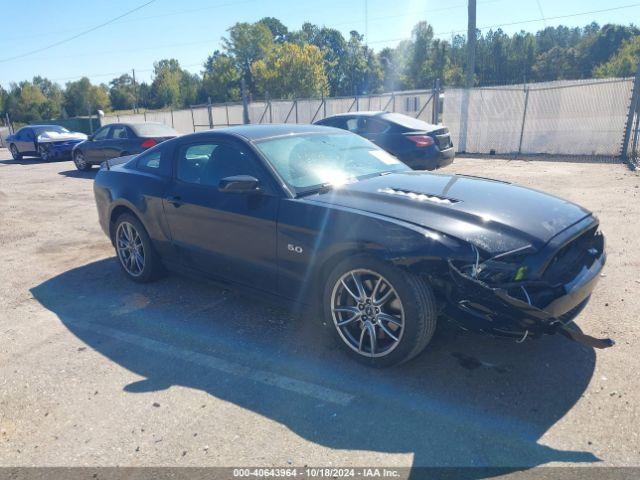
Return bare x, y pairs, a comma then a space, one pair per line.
471, 44
469, 75
245, 101
135, 92
366, 23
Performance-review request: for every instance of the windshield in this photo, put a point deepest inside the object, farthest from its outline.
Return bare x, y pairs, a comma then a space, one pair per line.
307, 162
50, 128
154, 130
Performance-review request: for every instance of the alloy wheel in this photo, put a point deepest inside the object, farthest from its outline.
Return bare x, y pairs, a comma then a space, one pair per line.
80, 161
130, 249
367, 312
43, 152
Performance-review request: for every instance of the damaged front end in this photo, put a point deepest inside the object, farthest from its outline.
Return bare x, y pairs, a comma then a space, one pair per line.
523, 293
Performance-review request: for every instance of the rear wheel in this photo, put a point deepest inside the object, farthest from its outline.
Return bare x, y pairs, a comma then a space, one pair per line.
14, 152
80, 161
133, 246
382, 315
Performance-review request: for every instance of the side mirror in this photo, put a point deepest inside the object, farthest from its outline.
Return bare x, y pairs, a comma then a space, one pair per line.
239, 184
90, 138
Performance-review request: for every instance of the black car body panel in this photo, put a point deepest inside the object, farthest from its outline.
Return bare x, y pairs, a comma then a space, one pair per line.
392, 132
502, 259
121, 139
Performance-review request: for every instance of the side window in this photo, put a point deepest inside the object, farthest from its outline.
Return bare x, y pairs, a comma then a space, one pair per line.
352, 124
153, 161
208, 163
373, 126
20, 135
28, 134
118, 132
102, 133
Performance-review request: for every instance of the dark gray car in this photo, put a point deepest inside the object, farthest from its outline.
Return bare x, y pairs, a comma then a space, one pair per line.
119, 140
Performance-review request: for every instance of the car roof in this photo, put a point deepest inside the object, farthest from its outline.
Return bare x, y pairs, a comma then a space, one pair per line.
366, 113
135, 124
264, 131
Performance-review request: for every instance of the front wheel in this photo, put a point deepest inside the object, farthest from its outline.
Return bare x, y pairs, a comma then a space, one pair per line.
80, 161
14, 152
382, 315
43, 152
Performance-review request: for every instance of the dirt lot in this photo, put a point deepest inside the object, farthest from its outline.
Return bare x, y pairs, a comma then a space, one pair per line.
96, 370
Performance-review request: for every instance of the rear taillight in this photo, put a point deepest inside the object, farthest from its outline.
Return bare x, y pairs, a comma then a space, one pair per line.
148, 143
421, 140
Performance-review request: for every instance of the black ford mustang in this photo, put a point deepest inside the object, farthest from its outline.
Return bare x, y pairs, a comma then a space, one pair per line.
323, 217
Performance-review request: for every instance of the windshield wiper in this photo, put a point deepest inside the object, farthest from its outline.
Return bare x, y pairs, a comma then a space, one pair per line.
324, 187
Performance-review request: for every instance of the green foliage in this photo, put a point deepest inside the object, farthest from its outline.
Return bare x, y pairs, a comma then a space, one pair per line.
83, 98
38, 100
290, 70
221, 78
122, 92
248, 43
624, 63
315, 60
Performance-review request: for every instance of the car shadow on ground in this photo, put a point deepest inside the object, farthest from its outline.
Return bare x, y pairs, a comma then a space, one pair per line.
89, 174
29, 161
468, 400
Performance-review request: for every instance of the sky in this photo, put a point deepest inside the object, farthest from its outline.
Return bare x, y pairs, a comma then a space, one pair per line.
190, 30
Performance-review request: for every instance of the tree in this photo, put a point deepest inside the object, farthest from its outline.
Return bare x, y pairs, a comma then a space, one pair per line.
600, 45
122, 92
83, 98
360, 69
279, 32
246, 44
172, 86
165, 88
290, 70
557, 64
221, 78
624, 63
419, 51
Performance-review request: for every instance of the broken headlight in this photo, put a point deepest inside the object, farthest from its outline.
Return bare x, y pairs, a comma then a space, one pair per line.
506, 267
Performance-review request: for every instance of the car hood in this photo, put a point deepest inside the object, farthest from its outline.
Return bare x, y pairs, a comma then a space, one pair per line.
47, 137
493, 215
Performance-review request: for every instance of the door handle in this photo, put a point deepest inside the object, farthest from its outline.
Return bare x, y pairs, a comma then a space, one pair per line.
174, 200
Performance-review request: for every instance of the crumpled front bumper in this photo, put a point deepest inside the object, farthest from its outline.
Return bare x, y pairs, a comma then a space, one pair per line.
57, 150
481, 307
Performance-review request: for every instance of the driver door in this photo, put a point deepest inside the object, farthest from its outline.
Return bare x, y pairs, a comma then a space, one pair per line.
227, 235
94, 149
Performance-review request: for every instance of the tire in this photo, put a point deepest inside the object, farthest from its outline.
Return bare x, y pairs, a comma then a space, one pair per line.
80, 161
409, 302
44, 153
131, 240
14, 152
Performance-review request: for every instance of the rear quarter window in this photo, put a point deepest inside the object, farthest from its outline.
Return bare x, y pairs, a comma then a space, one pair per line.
154, 161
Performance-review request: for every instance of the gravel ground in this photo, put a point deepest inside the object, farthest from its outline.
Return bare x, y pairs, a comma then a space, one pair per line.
96, 370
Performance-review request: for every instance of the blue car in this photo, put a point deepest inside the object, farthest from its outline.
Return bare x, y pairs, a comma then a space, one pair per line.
49, 142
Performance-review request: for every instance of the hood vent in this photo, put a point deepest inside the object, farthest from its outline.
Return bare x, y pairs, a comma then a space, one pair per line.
420, 197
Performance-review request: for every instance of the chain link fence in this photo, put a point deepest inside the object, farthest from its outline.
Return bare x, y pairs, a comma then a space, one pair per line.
575, 120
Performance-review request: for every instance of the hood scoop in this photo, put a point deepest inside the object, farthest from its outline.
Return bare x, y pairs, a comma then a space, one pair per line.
419, 197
